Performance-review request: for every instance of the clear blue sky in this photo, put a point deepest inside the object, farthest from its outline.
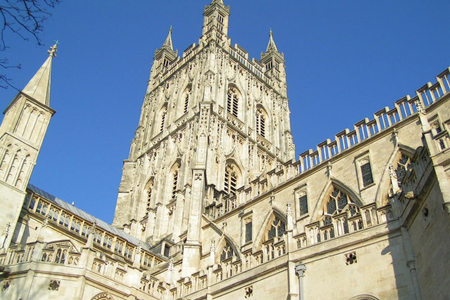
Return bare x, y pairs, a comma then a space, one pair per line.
345, 60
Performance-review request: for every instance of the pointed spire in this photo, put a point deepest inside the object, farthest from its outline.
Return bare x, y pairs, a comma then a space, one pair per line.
217, 1
39, 86
168, 43
271, 46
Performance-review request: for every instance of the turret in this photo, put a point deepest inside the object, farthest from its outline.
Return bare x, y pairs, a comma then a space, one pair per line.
273, 62
164, 57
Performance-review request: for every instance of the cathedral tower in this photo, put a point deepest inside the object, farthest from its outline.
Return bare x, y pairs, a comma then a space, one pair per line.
212, 121
21, 135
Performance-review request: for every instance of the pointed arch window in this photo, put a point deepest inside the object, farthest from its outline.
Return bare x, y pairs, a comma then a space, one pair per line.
187, 96
163, 119
233, 102
227, 252
261, 122
174, 184
277, 228
403, 165
149, 194
231, 178
340, 202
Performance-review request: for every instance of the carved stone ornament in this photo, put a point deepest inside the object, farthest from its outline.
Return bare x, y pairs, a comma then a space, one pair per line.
103, 296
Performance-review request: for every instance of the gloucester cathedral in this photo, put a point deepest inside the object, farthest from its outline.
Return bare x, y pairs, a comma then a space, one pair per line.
213, 203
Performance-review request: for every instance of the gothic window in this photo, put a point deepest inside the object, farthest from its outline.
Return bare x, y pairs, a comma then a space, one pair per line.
60, 256
149, 193
248, 231
366, 174
174, 184
163, 118
261, 122
403, 165
230, 184
227, 252
303, 202
269, 66
220, 22
340, 202
187, 96
277, 228
232, 102
165, 63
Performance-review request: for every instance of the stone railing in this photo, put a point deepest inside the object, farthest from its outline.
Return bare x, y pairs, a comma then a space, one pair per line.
382, 119
253, 66
76, 225
344, 223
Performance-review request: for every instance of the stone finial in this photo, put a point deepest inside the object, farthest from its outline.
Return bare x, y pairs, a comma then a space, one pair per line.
53, 49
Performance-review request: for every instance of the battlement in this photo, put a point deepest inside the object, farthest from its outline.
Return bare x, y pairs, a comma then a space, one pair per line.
382, 119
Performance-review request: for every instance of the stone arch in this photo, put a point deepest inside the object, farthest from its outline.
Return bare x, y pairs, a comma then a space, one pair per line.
364, 297
149, 194
224, 242
266, 225
103, 296
234, 101
385, 181
331, 184
162, 118
186, 99
175, 177
263, 120
232, 177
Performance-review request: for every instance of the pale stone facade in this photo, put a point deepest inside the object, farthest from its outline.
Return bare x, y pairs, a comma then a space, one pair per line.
214, 205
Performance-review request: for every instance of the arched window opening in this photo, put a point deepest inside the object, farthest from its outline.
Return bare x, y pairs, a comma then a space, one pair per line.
277, 228
403, 165
231, 178
261, 123
187, 97
232, 102
340, 202
227, 253
163, 118
174, 184
149, 193
340, 207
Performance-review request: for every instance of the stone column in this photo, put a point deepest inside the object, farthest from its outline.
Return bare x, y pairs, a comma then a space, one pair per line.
300, 271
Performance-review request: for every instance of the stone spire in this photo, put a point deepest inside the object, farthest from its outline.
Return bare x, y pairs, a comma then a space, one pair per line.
271, 46
168, 43
39, 86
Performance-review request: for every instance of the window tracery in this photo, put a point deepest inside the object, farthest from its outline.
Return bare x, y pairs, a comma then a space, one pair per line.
231, 178
277, 228
261, 119
227, 252
233, 102
163, 118
187, 96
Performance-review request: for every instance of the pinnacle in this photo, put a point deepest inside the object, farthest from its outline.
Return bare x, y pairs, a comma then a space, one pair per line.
271, 46
168, 42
